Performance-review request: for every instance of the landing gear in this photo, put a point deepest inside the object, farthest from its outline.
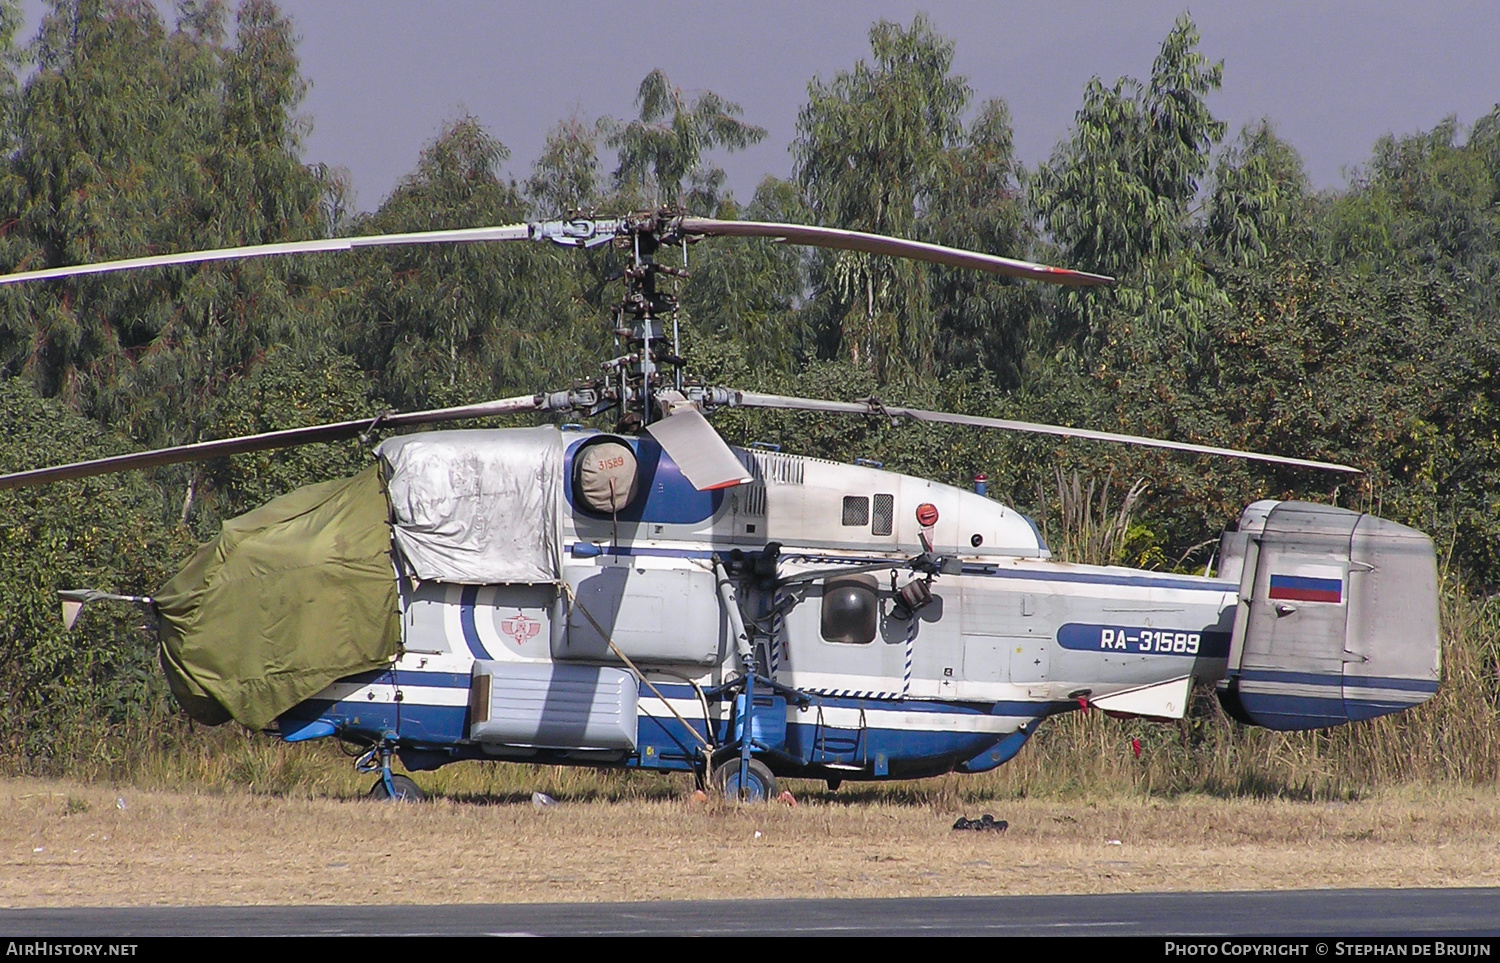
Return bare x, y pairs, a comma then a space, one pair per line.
402, 789
759, 784
390, 785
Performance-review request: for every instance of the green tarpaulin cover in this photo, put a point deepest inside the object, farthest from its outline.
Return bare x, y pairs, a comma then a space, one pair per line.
289, 598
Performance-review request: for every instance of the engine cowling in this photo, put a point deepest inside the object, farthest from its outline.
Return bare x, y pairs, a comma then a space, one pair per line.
1337, 618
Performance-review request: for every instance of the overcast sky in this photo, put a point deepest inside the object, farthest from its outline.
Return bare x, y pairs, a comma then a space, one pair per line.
1332, 75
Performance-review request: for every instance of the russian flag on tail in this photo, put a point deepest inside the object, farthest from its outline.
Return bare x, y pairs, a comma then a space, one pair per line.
1302, 588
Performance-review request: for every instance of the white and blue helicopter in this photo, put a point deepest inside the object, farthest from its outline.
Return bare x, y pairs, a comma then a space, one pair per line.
654, 598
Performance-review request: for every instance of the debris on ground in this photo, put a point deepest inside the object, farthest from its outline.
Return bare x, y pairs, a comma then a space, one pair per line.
541, 800
985, 822
787, 797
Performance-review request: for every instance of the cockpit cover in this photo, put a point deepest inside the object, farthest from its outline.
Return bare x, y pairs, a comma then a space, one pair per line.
288, 599
478, 507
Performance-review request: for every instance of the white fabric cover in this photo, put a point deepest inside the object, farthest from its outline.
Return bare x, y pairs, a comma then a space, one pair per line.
478, 507
605, 474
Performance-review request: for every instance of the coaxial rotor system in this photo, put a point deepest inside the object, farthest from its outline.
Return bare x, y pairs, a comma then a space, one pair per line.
643, 383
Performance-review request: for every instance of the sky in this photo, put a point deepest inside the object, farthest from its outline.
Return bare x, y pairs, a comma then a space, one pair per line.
1333, 75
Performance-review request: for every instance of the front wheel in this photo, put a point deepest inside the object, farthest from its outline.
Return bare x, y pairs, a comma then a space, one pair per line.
759, 784
406, 790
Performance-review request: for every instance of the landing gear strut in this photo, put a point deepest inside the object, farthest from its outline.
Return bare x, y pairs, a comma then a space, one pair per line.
390, 785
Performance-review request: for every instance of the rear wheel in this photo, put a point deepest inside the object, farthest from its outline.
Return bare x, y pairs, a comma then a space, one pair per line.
759, 784
406, 790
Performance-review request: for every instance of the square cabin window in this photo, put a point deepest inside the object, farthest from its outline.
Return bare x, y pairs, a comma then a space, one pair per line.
885, 514
857, 510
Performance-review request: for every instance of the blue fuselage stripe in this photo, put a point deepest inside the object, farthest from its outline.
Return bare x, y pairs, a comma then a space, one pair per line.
1353, 681
466, 619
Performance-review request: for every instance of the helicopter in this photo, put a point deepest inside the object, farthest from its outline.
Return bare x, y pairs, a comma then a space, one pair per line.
651, 597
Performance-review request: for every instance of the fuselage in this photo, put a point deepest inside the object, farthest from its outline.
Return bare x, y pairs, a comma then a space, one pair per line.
1009, 638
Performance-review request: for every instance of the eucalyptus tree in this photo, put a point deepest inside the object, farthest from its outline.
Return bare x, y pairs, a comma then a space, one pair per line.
13, 60
869, 150
1118, 195
662, 150
1428, 202
61, 691
566, 175
132, 138
1260, 200
742, 306
977, 201
452, 323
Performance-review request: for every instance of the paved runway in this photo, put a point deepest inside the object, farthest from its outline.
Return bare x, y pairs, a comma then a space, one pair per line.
1431, 912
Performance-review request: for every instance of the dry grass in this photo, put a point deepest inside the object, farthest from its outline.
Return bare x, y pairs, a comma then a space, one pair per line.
71, 844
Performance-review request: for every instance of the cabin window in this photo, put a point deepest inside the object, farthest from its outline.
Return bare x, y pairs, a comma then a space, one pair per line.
885, 513
857, 510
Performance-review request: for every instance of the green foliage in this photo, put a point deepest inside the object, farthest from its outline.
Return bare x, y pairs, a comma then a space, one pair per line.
744, 297
1428, 203
869, 149
58, 687
1260, 198
1119, 191
983, 322
663, 147
133, 139
1118, 195
566, 177
449, 324
289, 389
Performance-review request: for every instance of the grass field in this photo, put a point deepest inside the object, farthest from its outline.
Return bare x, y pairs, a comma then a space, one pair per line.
67, 843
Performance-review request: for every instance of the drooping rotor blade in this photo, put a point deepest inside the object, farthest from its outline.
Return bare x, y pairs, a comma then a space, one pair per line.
505, 232
894, 246
690, 441
204, 450
751, 399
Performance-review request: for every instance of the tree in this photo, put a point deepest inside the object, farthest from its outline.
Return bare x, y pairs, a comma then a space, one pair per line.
1428, 202
868, 152
566, 176
290, 388
135, 139
983, 321
742, 304
56, 687
455, 323
664, 146
1259, 199
1118, 195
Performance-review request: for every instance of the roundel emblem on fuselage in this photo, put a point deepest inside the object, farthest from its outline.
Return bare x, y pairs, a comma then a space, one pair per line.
521, 629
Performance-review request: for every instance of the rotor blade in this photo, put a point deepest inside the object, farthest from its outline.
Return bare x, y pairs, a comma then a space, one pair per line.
506, 232
751, 399
204, 450
895, 246
690, 441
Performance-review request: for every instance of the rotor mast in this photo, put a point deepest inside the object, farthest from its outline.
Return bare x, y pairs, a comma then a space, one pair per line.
639, 369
